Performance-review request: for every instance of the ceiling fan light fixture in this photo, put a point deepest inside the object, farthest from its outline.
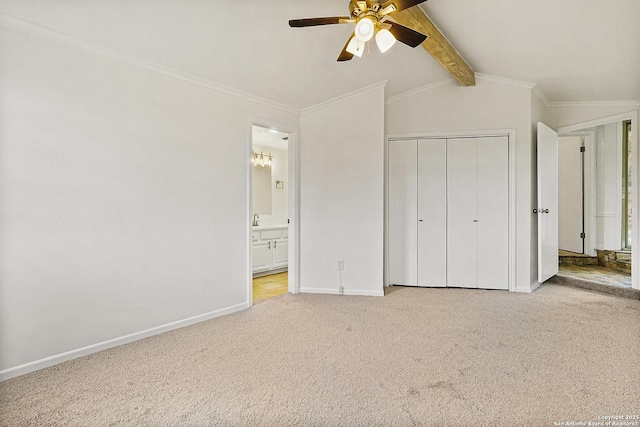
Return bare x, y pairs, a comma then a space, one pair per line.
365, 29
387, 10
355, 47
384, 40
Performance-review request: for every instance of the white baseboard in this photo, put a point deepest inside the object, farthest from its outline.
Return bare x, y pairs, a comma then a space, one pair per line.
94, 348
527, 290
369, 293
535, 285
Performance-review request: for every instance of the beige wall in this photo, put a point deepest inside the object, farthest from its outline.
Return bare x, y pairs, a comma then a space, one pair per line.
123, 203
342, 205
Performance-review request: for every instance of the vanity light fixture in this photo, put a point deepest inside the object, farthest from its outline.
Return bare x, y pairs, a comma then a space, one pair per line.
261, 159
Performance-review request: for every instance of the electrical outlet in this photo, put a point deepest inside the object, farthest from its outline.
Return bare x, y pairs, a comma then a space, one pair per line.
340, 264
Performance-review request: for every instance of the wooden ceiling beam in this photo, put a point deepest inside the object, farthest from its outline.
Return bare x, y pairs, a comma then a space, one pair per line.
437, 44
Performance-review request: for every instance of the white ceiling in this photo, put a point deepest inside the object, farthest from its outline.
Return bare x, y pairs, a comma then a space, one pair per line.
576, 50
269, 137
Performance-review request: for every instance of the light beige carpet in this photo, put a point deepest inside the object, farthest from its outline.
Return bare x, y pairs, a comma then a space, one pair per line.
433, 357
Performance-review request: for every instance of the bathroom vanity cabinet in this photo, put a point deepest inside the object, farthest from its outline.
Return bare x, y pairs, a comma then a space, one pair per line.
270, 248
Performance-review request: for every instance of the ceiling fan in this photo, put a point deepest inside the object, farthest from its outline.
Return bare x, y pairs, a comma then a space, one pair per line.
372, 17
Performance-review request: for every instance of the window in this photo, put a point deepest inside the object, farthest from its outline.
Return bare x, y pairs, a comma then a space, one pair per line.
626, 185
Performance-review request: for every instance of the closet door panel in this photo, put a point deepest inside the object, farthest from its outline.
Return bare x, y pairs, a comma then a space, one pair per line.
493, 213
403, 207
432, 212
462, 213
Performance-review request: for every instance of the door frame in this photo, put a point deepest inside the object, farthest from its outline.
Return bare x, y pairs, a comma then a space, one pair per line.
633, 116
293, 200
511, 134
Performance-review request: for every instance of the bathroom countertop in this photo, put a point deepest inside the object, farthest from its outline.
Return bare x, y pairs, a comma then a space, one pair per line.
270, 227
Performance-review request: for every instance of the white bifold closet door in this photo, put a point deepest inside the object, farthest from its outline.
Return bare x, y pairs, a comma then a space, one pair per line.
432, 212
493, 213
462, 208
478, 213
448, 212
403, 213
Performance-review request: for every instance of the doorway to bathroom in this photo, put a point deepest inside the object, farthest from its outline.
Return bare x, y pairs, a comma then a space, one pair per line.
270, 216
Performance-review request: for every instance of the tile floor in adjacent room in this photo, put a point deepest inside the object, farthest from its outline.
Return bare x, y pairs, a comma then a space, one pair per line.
597, 274
585, 267
266, 287
562, 252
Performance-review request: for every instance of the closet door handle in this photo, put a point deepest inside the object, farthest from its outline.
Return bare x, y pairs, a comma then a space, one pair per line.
268, 245
274, 244
421, 220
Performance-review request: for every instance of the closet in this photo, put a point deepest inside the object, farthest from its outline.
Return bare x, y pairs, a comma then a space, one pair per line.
448, 212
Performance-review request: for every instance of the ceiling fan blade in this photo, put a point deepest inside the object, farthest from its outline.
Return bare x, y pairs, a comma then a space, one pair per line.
401, 4
406, 35
344, 55
312, 22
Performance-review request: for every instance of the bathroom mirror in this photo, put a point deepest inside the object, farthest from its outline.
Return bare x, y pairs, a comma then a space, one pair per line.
262, 190
270, 195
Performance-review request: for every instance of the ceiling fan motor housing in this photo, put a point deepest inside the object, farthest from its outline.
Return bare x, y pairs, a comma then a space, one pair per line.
360, 8
370, 17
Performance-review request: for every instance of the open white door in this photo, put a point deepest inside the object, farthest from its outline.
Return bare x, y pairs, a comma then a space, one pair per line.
547, 202
570, 194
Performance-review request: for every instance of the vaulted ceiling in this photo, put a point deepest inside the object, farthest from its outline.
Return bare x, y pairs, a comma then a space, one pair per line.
575, 50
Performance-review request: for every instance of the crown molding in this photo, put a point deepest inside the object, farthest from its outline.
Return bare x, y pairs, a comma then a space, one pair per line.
630, 115
343, 98
479, 76
504, 80
53, 36
628, 103
542, 96
419, 90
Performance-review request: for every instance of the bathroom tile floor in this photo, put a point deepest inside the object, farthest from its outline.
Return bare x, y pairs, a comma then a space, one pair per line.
266, 287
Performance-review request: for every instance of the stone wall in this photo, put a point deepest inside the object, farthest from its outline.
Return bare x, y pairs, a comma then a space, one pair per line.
616, 260
579, 260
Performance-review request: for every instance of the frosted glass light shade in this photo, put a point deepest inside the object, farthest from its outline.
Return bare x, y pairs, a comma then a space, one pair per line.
384, 40
365, 29
355, 47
